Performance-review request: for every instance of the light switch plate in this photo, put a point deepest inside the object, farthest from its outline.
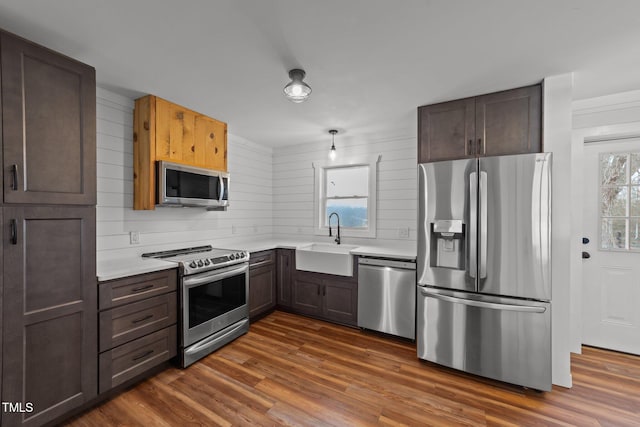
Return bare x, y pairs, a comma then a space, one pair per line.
403, 232
134, 237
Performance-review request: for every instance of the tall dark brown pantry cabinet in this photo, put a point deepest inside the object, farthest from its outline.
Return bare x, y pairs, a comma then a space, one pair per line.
49, 295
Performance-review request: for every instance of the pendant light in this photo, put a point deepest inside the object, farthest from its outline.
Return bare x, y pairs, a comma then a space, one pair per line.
297, 91
332, 152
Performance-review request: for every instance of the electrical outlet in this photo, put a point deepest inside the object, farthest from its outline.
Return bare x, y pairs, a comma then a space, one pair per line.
234, 229
134, 237
255, 229
403, 232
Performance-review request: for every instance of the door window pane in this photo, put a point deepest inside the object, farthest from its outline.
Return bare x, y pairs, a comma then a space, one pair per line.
635, 168
613, 169
634, 207
619, 200
614, 201
613, 233
634, 233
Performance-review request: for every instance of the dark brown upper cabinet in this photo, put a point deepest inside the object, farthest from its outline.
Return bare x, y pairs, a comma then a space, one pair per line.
501, 123
48, 126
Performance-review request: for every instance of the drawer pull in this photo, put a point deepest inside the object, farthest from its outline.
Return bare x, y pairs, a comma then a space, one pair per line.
142, 319
143, 355
142, 288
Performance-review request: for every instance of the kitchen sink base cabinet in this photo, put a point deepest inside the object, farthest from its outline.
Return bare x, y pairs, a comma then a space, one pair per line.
325, 296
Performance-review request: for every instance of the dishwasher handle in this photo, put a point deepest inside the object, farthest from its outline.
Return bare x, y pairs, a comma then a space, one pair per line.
406, 265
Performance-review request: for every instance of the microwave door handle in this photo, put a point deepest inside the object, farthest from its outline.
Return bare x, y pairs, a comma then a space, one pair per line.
221, 188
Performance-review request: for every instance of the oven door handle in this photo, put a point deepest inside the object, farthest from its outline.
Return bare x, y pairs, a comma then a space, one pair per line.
190, 282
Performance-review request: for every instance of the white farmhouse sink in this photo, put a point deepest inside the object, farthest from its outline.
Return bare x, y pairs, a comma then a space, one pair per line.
325, 258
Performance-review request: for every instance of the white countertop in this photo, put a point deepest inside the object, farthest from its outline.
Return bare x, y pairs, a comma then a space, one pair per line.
385, 252
374, 251
122, 267
115, 268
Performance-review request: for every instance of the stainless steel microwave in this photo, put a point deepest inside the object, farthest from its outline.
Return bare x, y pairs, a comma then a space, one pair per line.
182, 185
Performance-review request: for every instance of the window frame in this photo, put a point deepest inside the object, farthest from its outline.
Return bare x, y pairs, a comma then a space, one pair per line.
628, 217
320, 196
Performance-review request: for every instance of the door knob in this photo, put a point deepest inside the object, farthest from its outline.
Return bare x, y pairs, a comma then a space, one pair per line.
585, 240
586, 255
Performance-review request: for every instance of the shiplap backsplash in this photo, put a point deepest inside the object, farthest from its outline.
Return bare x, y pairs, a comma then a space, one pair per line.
293, 188
249, 216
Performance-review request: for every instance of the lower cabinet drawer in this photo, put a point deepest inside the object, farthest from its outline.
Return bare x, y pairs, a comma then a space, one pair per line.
134, 358
128, 322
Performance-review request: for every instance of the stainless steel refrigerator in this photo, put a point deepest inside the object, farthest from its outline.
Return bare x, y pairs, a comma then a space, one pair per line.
484, 267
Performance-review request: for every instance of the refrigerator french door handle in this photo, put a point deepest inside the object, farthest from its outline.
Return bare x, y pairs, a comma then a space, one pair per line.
482, 200
473, 224
482, 304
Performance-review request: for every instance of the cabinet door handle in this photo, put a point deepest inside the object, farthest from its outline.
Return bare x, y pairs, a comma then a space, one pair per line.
142, 319
470, 148
481, 143
143, 355
14, 177
142, 288
324, 291
14, 232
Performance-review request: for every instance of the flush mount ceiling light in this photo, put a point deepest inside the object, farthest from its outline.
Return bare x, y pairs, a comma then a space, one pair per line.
332, 152
297, 91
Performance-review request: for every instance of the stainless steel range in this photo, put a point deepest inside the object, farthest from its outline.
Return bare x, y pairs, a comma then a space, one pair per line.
214, 286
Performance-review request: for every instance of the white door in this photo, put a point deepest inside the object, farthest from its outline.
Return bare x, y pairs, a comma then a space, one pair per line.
611, 222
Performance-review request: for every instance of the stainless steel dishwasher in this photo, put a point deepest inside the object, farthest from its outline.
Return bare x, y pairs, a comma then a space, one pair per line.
387, 296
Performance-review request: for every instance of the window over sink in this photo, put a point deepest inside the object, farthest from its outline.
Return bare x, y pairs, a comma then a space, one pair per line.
349, 189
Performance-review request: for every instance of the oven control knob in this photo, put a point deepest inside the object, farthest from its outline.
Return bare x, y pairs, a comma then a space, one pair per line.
238, 255
200, 263
242, 255
207, 262
232, 256
193, 264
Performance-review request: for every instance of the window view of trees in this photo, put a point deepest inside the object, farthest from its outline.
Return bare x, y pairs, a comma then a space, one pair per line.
620, 201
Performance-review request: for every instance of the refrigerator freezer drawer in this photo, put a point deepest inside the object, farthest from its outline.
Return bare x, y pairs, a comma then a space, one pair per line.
501, 338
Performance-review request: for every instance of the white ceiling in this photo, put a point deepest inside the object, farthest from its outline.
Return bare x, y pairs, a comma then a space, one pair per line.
370, 62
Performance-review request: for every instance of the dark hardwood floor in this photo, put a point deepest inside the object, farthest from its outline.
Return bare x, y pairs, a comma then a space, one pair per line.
292, 370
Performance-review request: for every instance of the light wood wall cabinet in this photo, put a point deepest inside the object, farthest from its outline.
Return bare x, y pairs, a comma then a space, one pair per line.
501, 123
49, 303
170, 132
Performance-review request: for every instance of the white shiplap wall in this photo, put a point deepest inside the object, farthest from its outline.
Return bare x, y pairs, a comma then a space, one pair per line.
293, 188
249, 215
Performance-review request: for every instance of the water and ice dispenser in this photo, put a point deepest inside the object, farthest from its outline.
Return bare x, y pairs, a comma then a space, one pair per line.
448, 244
